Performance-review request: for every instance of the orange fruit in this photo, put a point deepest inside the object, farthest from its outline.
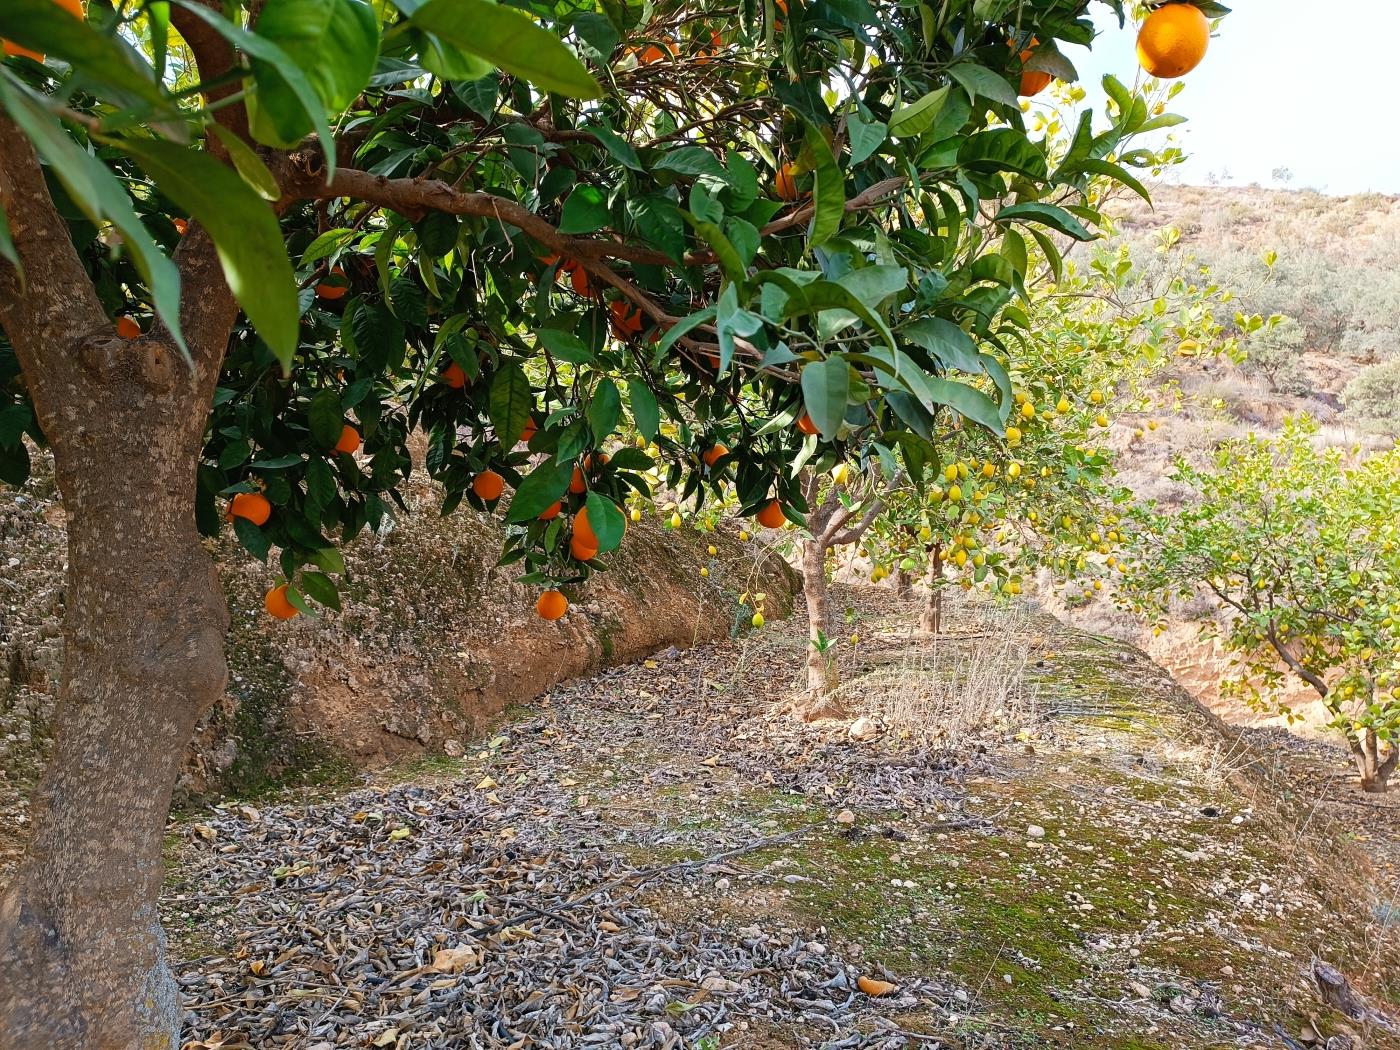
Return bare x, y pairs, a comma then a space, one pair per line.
707, 53
1033, 81
251, 505
582, 283
1172, 40
592, 462
182, 226
655, 53
580, 551
712, 455
785, 183
771, 516
577, 483
551, 512
73, 7
454, 377
583, 531
349, 439
276, 603
488, 485
333, 289
805, 424
530, 430
551, 605
128, 328
627, 320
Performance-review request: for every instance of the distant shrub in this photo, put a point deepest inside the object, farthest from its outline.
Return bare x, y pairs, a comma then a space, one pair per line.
1372, 399
1276, 356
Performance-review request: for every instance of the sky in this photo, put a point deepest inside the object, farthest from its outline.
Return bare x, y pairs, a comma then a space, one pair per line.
1284, 84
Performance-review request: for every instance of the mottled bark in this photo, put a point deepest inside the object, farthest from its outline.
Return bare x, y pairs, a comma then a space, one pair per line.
82, 957
931, 615
902, 583
1373, 765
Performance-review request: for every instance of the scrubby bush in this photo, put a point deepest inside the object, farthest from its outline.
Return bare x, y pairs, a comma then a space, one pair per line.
1372, 399
1276, 356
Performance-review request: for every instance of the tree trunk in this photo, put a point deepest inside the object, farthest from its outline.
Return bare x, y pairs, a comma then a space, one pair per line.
1374, 769
901, 583
821, 674
931, 617
82, 955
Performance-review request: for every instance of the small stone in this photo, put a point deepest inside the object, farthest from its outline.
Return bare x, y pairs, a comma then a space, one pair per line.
1035, 831
845, 817
863, 728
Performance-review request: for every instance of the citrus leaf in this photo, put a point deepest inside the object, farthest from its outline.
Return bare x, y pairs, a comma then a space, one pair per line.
244, 229
829, 195
645, 413
826, 386
604, 409
249, 164
509, 403
508, 39
605, 519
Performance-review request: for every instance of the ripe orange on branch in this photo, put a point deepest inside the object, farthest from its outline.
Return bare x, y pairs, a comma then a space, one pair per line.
127, 328
1172, 40
349, 440
712, 455
1033, 81
488, 485
785, 183
627, 320
805, 424
454, 376
771, 516
334, 287
251, 505
278, 606
551, 605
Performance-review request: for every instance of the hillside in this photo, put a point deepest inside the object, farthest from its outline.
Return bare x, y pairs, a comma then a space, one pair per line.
1337, 359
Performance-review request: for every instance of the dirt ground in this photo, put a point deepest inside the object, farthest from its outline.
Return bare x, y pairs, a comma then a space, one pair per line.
657, 857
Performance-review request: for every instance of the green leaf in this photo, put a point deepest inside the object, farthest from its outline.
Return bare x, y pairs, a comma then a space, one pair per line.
966, 401
96, 191
245, 233
661, 224
328, 244
585, 211
437, 233
509, 403
508, 39
322, 588
320, 487
948, 343
248, 164
564, 345
326, 418
1056, 218
264, 50
1115, 172
615, 144
333, 42
645, 413
826, 386
106, 63
1002, 149
979, 80
865, 138
691, 160
254, 540
913, 120
541, 487
604, 410
606, 521
829, 196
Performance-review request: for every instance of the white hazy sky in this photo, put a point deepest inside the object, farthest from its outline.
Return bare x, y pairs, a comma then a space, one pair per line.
1285, 83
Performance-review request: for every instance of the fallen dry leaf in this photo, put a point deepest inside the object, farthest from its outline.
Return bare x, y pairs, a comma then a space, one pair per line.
873, 987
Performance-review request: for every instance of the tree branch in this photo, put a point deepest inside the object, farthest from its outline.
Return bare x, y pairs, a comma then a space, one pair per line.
1294, 665
51, 306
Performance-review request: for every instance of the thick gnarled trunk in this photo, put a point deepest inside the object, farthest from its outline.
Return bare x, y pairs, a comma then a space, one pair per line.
82, 956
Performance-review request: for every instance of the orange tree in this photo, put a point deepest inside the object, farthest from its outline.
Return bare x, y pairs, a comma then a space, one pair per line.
249, 248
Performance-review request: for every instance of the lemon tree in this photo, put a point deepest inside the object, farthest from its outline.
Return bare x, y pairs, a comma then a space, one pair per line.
1299, 549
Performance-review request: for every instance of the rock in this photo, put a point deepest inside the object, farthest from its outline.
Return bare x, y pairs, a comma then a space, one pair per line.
863, 728
845, 817
1035, 831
